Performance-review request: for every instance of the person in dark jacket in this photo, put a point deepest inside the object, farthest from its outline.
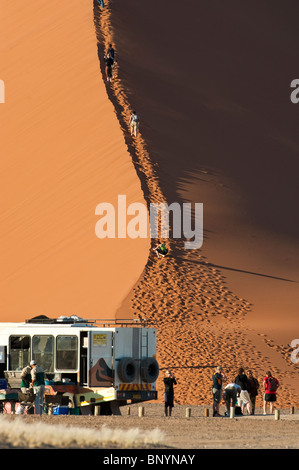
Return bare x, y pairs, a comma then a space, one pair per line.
217, 379
111, 51
244, 399
108, 69
169, 382
253, 390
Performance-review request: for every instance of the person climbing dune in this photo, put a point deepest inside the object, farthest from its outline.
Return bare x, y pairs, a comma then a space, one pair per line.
160, 250
108, 69
111, 53
134, 123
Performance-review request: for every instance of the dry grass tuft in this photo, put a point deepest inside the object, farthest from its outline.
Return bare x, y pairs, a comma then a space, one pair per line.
16, 433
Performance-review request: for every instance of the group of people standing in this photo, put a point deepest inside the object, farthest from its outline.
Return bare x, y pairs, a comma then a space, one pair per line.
243, 391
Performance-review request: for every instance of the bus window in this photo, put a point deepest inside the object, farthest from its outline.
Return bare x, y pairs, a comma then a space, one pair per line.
66, 352
43, 351
19, 352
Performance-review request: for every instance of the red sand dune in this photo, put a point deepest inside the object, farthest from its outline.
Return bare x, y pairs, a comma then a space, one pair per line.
218, 127
212, 85
62, 153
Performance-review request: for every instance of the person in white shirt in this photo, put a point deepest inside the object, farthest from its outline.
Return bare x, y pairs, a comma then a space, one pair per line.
134, 123
231, 393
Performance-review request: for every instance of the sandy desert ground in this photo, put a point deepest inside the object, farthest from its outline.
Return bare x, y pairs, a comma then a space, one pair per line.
217, 126
176, 432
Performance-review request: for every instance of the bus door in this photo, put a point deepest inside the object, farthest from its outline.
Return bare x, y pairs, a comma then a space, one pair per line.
100, 372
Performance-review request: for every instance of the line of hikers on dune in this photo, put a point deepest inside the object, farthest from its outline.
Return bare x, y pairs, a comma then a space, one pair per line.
110, 60
134, 122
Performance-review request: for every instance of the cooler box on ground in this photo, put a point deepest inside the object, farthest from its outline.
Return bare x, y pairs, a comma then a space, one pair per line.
61, 410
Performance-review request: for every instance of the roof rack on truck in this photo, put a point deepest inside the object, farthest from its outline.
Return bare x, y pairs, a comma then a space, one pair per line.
74, 319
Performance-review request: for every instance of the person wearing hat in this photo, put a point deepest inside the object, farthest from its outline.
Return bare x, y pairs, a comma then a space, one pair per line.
25, 379
38, 384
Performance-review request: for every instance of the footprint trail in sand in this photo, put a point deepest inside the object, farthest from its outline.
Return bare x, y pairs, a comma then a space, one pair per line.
200, 322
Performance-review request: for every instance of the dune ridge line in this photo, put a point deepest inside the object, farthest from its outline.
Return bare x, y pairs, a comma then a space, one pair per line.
201, 323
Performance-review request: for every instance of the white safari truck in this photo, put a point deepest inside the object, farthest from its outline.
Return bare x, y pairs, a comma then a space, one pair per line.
93, 365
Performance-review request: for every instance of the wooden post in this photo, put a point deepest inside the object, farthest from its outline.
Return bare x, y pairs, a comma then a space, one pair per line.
97, 411
141, 411
277, 415
206, 412
188, 412
292, 410
232, 412
128, 411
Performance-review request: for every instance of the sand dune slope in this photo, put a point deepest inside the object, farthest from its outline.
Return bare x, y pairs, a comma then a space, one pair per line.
62, 154
203, 139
